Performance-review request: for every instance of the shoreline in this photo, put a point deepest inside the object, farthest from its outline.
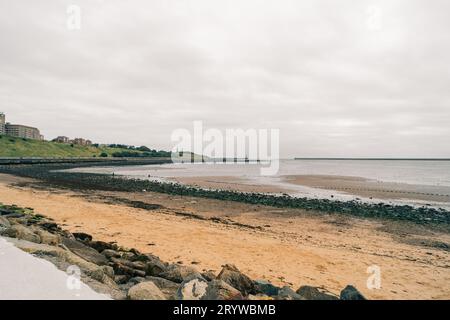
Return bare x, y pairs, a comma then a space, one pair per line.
287, 246
54, 175
344, 188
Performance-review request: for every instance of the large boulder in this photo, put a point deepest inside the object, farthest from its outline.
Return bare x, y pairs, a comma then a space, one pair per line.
129, 268
83, 237
21, 232
178, 273
145, 291
169, 288
220, 290
351, 293
109, 253
313, 293
47, 237
231, 275
101, 245
266, 288
153, 265
85, 252
192, 289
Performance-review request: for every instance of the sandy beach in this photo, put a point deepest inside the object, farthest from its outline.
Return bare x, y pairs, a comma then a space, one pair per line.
285, 246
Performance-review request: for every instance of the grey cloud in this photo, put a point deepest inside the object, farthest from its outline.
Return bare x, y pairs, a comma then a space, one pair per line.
139, 69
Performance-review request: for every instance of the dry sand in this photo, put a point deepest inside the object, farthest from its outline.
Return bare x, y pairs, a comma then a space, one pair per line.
291, 247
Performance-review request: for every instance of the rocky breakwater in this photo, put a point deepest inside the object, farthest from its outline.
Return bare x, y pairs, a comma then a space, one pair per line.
126, 273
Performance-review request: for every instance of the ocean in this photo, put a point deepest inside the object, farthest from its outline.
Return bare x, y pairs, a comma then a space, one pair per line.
415, 182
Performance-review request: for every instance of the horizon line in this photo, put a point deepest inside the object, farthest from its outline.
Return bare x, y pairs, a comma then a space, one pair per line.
371, 158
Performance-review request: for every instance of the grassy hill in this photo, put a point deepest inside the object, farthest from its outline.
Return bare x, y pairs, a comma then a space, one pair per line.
18, 147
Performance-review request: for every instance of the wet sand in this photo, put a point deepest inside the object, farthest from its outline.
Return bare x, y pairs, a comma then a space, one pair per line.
229, 183
356, 186
372, 188
285, 246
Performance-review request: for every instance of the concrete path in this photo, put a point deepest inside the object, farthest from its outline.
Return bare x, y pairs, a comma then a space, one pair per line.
25, 277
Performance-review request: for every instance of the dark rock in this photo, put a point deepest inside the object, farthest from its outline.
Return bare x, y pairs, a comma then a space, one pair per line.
137, 256
84, 252
13, 215
351, 293
100, 246
192, 289
121, 278
4, 211
81, 236
129, 268
313, 293
179, 273
135, 265
220, 290
66, 234
209, 275
231, 275
127, 255
266, 288
145, 291
136, 252
154, 266
50, 226
286, 293
136, 280
109, 253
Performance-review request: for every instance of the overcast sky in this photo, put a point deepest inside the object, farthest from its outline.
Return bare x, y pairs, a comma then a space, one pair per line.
338, 78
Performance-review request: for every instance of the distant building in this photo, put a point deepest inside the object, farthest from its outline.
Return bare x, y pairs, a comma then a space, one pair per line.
77, 141
81, 142
21, 131
2, 123
61, 139
18, 130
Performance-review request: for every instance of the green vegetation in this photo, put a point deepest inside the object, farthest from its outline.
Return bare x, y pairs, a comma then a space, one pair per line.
125, 151
136, 154
18, 147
